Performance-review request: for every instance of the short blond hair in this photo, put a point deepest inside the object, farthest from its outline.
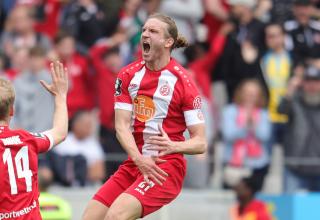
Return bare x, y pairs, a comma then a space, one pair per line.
7, 96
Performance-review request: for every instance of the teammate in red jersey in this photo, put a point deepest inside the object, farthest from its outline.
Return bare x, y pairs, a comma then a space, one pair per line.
155, 102
19, 149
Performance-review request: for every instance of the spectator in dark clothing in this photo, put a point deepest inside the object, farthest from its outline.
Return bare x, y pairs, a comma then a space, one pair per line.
303, 34
301, 140
85, 19
243, 47
281, 11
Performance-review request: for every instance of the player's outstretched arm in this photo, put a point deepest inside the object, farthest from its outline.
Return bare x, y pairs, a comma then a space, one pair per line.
146, 165
58, 89
197, 143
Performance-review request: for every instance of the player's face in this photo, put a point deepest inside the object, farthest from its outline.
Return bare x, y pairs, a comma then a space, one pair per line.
154, 39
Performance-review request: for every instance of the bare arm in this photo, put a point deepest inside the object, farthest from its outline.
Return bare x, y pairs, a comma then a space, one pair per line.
124, 135
197, 143
58, 89
146, 165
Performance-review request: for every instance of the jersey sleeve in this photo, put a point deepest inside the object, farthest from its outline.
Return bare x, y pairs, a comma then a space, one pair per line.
191, 105
43, 141
122, 97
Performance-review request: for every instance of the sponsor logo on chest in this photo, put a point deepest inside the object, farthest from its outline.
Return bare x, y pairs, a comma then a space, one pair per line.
144, 108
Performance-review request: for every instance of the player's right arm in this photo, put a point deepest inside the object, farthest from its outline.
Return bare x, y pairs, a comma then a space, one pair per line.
58, 89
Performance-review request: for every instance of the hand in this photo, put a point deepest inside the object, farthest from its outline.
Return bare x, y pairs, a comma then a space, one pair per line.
249, 52
150, 170
227, 28
293, 85
59, 75
162, 143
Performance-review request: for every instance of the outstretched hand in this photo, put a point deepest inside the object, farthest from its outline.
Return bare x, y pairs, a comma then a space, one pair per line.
59, 75
162, 143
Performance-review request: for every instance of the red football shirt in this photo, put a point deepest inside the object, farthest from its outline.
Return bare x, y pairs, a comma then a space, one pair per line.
167, 97
19, 192
255, 210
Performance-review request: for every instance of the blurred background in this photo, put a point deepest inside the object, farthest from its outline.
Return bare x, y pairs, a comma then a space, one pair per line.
257, 67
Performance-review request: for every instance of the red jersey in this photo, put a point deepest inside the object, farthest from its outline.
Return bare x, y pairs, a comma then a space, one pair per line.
167, 97
105, 79
255, 210
80, 94
19, 193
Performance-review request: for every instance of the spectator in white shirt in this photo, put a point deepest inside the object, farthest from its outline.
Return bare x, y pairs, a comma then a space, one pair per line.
81, 141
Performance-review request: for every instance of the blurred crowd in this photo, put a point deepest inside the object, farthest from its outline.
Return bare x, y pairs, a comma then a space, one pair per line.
265, 52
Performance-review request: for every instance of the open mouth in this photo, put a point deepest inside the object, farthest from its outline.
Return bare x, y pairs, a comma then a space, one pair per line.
146, 47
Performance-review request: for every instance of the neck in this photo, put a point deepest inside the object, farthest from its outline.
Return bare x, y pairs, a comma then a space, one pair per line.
279, 50
245, 202
4, 122
158, 64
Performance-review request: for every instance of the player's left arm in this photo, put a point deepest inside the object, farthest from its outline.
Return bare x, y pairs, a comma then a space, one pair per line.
197, 143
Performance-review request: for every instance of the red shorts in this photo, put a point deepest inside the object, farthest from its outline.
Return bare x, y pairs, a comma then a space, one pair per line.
128, 179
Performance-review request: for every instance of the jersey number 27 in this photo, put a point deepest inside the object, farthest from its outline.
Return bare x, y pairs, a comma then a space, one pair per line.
22, 165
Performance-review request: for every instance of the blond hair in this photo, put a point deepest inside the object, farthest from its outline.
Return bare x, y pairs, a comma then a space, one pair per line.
7, 96
172, 30
238, 97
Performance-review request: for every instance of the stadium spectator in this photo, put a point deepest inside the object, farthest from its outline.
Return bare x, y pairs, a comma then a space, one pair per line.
246, 132
248, 206
107, 62
243, 48
81, 142
20, 32
47, 16
187, 14
281, 11
80, 95
85, 19
303, 34
32, 100
301, 140
19, 63
277, 66
130, 22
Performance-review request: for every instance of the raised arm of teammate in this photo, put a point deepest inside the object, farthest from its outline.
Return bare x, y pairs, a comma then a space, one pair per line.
197, 143
146, 165
58, 89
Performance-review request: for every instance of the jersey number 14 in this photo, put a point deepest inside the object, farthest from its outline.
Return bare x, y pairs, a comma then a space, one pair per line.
22, 165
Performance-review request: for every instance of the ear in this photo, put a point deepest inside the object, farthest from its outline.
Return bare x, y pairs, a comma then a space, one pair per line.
169, 42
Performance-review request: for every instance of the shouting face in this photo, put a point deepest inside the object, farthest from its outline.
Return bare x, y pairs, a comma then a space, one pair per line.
155, 40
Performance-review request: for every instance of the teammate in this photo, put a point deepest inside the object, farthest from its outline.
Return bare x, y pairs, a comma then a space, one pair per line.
19, 149
155, 101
